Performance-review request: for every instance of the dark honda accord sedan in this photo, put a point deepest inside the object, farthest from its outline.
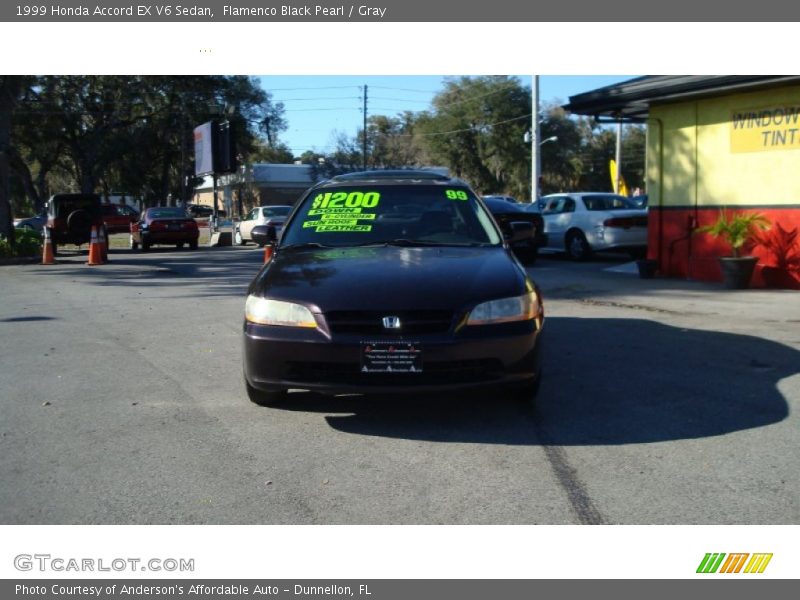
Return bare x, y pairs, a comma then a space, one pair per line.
392, 281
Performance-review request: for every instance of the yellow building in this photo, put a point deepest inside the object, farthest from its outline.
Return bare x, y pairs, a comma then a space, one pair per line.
715, 143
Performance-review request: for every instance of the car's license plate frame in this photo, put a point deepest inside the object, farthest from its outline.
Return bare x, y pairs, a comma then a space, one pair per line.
391, 357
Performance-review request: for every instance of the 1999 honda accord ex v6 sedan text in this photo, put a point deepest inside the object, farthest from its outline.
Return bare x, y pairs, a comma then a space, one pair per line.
392, 281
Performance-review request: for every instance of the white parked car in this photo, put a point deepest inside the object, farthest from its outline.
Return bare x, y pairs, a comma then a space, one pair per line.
274, 215
584, 222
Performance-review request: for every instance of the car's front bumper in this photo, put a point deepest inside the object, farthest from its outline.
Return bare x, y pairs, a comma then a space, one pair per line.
170, 237
282, 358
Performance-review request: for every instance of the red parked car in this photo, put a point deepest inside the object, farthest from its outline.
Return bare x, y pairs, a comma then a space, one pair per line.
118, 217
164, 225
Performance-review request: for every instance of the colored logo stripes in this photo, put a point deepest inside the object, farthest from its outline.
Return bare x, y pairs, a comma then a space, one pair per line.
713, 562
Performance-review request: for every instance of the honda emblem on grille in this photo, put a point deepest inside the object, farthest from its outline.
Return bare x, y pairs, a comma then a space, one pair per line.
391, 322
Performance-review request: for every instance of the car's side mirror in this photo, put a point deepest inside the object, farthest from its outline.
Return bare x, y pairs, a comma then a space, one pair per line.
264, 234
520, 231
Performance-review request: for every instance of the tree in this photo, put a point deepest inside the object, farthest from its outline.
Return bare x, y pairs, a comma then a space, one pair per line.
10, 89
476, 127
391, 142
280, 154
130, 133
562, 164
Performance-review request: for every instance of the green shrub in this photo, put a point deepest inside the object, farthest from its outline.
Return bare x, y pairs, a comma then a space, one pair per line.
28, 243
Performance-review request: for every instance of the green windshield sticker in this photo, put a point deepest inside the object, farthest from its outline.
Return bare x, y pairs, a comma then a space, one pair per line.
456, 194
336, 225
365, 216
333, 211
319, 224
342, 218
346, 200
347, 228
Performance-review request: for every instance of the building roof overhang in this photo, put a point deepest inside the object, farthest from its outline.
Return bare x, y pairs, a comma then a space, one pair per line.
631, 100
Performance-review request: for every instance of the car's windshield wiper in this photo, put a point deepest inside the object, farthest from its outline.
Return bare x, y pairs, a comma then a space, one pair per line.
305, 245
403, 242
398, 242
410, 242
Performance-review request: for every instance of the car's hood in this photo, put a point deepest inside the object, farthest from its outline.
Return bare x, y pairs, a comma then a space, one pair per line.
374, 278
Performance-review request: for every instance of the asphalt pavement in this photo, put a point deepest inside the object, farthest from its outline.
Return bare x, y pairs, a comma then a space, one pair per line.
122, 401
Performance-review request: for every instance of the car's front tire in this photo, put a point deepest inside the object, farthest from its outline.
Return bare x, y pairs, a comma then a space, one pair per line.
238, 239
527, 255
527, 391
577, 247
263, 398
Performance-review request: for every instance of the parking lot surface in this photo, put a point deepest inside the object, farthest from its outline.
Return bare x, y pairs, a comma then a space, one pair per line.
122, 401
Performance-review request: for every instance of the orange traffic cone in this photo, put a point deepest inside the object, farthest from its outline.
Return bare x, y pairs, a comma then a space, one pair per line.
268, 251
103, 243
95, 253
48, 258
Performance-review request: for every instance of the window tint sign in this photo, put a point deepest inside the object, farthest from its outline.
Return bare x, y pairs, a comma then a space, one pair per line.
765, 128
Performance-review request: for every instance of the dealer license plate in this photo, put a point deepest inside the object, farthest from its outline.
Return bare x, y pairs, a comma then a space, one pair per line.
391, 357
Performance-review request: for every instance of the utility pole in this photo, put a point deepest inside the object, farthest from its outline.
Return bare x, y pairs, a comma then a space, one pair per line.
536, 163
618, 157
365, 129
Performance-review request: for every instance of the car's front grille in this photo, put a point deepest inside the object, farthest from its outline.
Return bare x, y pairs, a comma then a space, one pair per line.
433, 373
371, 322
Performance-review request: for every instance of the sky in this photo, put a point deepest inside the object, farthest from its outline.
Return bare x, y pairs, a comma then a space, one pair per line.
319, 107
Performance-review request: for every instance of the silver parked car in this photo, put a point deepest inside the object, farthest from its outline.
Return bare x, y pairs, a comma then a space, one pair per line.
584, 222
274, 215
34, 223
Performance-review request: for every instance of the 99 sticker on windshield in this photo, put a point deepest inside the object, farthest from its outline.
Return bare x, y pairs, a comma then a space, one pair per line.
456, 194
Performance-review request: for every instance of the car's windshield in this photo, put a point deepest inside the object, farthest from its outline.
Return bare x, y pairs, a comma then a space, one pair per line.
166, 213
607, 202
276, 211
376, 214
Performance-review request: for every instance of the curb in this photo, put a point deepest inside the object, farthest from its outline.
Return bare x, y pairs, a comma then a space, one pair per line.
20, 260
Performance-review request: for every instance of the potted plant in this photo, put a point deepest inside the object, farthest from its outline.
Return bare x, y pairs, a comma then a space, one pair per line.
783, 245
736, 229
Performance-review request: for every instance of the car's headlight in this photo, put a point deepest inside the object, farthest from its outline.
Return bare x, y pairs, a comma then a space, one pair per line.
517, 308
266, 311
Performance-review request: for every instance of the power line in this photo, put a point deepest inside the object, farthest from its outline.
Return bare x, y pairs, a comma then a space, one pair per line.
474, 128
320, 109
383, 87
400, 100
297, 89
321, 98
